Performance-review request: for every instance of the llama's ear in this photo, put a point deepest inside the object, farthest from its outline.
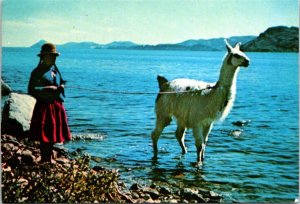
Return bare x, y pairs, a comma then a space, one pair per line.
228, 46
238, 45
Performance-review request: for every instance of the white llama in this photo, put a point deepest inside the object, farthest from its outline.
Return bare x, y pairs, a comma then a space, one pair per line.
197, 104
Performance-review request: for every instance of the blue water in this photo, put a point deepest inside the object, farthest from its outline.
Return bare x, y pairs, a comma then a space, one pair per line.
259, 166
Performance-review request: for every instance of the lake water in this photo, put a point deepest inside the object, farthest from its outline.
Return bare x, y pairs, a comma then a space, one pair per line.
261, 165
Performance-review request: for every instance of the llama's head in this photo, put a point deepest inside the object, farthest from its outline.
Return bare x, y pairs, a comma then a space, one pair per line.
235, 56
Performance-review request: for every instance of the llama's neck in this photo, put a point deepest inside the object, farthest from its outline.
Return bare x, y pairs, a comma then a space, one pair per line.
227, 88
228, 76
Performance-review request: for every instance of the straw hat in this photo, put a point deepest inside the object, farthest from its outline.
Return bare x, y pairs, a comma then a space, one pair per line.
48, 48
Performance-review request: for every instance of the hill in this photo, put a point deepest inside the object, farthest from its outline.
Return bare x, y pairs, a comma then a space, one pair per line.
214, 44
81, 45
119, 45
38, 44
275, 39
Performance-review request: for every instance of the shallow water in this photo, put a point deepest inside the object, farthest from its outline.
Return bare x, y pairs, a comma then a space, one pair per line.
261, 165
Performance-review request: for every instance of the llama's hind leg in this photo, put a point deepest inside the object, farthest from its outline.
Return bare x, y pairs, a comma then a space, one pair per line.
198, 135
180, 133
161, 123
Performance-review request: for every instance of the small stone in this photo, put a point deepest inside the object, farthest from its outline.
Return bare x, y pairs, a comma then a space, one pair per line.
135, 195
98, 168
236, 133
62, 160
165, 191
191, 194
174, 201
135, 187
6, 168
241, 123
153, 185
146, 196
22, 200
153, 193
27, 157
214, 194
23, 182
8, 147
96, 159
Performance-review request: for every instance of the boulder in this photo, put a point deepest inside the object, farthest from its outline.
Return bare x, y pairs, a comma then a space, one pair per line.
17, 113
5, 89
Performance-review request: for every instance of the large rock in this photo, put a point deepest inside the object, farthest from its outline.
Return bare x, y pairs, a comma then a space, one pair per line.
5, 89
275, 39
17, 113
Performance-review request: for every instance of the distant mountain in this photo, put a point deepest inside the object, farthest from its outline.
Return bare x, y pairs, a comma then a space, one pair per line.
119, 45
38, 44
81, 45
215, 43
275, 39
161, 47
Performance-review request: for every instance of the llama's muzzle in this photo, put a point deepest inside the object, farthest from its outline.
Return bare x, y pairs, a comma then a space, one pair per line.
246, 63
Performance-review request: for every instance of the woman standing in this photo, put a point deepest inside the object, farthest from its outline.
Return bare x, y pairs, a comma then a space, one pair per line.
49, 121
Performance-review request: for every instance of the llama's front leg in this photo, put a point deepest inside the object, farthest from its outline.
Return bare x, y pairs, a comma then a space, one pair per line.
198, 135
180, 133
206, 131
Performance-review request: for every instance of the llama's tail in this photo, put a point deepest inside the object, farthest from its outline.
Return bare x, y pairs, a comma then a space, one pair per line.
161, 82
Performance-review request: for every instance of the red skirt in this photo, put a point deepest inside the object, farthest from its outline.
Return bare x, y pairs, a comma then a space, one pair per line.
49, 123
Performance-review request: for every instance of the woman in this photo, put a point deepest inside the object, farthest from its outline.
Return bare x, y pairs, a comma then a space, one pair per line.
49, 122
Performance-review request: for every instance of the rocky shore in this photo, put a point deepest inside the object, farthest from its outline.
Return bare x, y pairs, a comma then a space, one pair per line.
69, 180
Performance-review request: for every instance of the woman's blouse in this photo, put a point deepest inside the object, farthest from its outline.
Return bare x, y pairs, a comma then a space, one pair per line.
40, 79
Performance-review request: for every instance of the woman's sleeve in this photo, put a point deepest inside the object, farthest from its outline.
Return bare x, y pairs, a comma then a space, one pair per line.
32, 86
37, 90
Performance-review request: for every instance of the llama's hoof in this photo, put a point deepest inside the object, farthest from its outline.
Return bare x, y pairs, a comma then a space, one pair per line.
155, 153
197, 164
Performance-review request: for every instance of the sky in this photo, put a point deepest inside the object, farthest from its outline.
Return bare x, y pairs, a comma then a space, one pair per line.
25, 22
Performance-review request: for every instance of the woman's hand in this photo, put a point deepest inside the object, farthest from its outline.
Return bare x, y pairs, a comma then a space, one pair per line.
51, 87
61, 88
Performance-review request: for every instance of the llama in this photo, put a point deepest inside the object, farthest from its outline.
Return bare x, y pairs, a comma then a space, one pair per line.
197, 104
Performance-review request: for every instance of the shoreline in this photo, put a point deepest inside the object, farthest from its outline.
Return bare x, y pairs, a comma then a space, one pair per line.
69, 179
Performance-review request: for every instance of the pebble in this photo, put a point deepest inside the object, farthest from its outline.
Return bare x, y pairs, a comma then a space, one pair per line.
236, 133
8, 146
174, 201
165, 190
153, 193
135, 195
135, 187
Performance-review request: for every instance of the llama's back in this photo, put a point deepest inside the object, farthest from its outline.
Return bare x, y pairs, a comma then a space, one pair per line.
184, 103
182, 85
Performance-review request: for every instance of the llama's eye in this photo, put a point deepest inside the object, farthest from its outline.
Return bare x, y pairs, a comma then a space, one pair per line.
237, 56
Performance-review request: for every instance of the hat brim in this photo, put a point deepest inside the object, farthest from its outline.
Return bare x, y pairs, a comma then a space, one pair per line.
53, 53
